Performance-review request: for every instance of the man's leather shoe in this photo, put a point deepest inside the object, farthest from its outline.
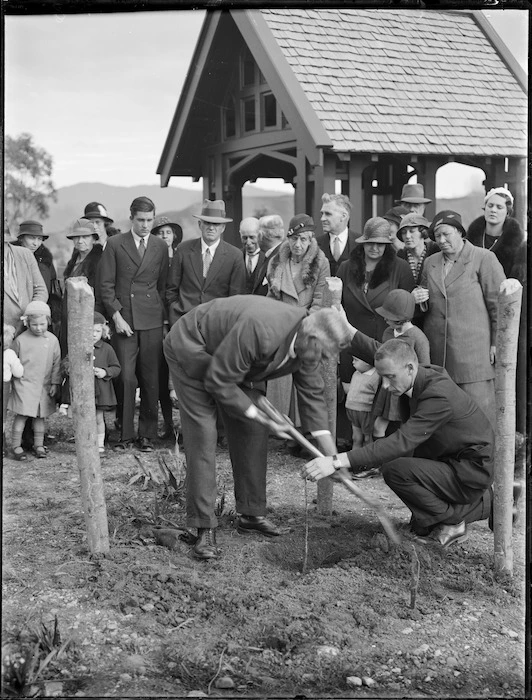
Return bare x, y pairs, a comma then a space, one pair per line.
205, 547
257, 523
446, 535
144, 444
168, 432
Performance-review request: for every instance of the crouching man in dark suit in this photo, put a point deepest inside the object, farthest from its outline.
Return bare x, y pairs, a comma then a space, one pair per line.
440, 461
220, 354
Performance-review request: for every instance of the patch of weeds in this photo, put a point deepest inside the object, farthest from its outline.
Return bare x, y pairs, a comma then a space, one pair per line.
33, 656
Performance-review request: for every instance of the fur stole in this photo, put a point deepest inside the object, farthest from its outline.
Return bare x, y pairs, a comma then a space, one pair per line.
508, 244
89, 264
309, 268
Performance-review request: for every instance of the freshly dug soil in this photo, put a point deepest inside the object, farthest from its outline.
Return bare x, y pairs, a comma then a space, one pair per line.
150, 620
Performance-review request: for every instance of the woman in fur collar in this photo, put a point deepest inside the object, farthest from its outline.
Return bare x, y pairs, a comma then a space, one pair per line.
297, 273
497, 230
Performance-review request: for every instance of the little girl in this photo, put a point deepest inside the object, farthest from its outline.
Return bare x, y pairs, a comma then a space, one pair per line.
12, 368
106, 368
33, 394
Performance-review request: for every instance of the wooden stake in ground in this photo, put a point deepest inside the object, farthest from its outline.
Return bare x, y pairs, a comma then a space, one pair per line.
332, 296
508, 314
80, 308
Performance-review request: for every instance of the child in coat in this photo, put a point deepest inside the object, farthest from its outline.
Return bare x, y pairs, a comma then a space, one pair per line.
106, 368
33, 394
12, 368
359, 401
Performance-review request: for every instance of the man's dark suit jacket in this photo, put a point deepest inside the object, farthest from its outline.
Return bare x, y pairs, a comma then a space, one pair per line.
445, 425
131, 285
186, 286
254, 281
242, 340
324, 242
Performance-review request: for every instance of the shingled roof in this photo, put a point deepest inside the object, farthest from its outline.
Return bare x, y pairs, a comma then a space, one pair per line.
404, 81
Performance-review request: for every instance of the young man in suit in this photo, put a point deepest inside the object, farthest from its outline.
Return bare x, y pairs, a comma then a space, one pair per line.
337, 240
253, 255
132, 283
220, 356
205, 268
440, 461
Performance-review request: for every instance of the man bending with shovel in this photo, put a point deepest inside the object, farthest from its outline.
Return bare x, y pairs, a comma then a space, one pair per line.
220, 356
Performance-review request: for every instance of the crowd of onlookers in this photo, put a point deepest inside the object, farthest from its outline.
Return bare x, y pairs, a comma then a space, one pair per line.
432, 283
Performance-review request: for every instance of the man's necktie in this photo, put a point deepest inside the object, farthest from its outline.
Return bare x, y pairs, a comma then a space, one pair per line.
142, 248
336, 248
249, 263
207, 259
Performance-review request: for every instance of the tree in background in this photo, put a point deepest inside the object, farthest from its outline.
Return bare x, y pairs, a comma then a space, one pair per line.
28, 180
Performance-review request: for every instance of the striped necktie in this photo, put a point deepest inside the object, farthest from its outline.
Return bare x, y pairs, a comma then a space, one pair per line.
207, 260
336, 248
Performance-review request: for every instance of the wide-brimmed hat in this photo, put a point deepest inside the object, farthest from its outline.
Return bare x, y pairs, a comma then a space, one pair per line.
376, 230
161, 221
213, 212
81, 227
395, 214
300, 223
95, 210
31, 228
415, 194
447, 216
36, 308
399, 305
412, 220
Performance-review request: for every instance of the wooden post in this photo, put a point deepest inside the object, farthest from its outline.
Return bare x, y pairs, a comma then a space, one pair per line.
508, 314
331, 297
80, 308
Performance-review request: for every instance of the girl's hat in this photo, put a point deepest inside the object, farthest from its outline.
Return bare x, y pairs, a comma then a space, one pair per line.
37, 308
99, 318
399, 305
31, 228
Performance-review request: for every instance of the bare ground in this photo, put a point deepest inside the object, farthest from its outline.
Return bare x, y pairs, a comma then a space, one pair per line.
148, 620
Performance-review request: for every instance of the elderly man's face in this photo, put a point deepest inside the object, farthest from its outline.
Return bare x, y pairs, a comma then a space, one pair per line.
414, 208
333, 218
249, 235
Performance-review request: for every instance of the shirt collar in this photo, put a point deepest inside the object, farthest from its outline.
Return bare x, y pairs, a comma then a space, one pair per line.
212, 247
341, 236
137, 238
271, 251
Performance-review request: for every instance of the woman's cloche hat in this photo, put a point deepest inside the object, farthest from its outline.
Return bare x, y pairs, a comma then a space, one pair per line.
412, 220
213, 212
31, 228
376, 230
300, 223
81, 227
447, 216
414, 193
161, 221
95, 210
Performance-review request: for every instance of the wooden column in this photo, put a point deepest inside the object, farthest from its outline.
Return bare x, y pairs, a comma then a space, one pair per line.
300, 196
356, 167
332, 297
324, 181
509, 308
81, 370
428, 180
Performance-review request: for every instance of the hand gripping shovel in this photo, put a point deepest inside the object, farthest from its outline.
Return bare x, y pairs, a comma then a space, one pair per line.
287, 427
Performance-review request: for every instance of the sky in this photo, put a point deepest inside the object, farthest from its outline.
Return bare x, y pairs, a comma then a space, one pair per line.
98, 91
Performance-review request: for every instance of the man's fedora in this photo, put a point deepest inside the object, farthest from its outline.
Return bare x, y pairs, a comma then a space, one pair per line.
395, 214
81, 227
415, 194
213, 212
95, 210
31, 228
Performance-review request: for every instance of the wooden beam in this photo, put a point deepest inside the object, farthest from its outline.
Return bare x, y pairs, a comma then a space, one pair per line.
356, 167
324, 181
300, 198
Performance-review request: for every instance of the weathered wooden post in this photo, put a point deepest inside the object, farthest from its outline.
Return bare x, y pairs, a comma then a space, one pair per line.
508, 314
331, 297
80, 308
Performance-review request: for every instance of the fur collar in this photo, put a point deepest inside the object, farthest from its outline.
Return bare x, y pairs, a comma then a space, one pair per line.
42, 254
507, 245
309, 267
